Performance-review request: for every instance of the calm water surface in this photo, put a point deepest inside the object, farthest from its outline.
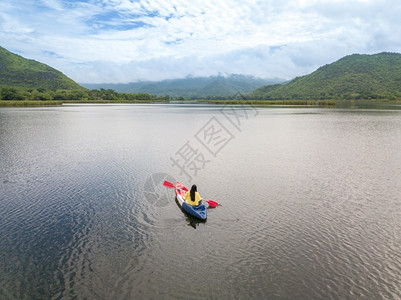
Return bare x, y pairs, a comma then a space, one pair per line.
310, 203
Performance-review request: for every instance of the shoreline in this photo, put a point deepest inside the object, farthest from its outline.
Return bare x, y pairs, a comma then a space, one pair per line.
301, 103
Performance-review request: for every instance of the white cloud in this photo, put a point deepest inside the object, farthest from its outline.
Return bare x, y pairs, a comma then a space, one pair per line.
123, 40
53, 4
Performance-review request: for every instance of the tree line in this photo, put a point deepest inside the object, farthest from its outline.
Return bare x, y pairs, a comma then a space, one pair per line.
11, 93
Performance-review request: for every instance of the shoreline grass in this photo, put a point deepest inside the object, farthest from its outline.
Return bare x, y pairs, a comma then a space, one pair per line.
28, 103
112, 101
35, 103
273, 102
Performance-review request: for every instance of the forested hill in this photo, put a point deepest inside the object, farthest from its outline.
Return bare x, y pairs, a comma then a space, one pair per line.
356, 76
25, 74
192, 87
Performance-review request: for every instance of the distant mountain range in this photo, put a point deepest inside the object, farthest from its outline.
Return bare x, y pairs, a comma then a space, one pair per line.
356, 76
192, 87
27, 74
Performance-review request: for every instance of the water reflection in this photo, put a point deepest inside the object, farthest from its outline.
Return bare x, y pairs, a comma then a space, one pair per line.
366, 105
191, 221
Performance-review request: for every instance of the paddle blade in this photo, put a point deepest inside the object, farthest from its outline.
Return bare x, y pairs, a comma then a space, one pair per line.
212, 203
168, 184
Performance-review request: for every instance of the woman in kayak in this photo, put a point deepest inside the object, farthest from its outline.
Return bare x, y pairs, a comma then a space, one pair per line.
192, 197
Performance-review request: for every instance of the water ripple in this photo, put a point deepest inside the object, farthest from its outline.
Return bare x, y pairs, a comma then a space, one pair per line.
310, 206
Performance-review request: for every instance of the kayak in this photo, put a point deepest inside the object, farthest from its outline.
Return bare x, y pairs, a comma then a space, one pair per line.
196, 211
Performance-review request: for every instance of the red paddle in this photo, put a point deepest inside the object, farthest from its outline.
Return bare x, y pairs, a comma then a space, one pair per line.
210, 202
168, 184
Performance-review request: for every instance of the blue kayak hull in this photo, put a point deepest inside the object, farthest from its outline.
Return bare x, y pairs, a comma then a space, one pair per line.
199, 211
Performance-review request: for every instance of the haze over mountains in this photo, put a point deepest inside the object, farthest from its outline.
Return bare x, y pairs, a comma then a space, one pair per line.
192, 87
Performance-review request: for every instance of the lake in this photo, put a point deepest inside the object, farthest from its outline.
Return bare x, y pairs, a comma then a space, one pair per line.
310, 202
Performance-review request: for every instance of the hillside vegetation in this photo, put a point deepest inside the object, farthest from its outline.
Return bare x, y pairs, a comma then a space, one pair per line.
25, 79
355, 76
25, 74
359, 77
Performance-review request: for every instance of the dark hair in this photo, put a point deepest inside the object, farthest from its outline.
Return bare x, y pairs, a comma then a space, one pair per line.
193, 190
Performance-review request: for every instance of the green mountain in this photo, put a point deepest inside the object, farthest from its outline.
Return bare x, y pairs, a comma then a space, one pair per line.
194, 87
26, 74
356, 76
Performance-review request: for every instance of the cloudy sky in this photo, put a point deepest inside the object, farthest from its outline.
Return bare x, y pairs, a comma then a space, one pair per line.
99, 41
